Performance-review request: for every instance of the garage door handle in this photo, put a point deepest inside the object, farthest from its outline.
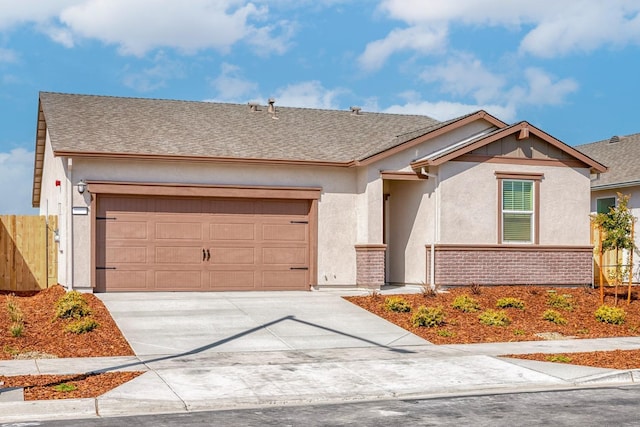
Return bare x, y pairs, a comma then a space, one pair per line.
208, 255
298, 268
204, 255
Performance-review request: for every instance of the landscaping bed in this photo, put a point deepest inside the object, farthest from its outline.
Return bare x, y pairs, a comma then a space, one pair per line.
40, 334
525, 324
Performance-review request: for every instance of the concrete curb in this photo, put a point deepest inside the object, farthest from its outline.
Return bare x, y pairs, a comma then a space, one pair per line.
47, 409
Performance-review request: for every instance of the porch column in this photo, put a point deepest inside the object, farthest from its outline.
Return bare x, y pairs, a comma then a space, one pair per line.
370, 265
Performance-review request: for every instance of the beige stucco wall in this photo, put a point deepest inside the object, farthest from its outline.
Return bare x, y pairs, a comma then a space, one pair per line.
410, 225
470, 203
337, 223
53, 201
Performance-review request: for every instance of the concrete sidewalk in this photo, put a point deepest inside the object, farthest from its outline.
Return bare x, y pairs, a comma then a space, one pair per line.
262, 349
230, 380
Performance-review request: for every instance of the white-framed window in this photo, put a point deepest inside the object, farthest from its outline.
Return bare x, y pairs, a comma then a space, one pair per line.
604, 204
518, 207
517, 211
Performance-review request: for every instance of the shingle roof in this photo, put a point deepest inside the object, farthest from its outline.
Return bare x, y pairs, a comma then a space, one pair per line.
113, 125
622, 158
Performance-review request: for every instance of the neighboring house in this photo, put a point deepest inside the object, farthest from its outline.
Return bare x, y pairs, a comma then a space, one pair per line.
174, 195
621, 154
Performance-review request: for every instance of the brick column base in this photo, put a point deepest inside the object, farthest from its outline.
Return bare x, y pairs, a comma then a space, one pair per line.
370, 265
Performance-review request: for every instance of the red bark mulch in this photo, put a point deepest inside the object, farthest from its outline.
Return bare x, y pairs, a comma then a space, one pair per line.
44, 337
464, 328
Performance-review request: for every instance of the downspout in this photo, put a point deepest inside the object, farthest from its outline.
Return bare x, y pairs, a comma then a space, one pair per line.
436, 228
70, 250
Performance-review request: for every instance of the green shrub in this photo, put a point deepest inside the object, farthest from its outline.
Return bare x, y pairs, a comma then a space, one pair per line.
65, 387
428, 316
558, 358
81, 326
494, 318
612, 315
397, 304
554, 317
509, 302
518, 332
563, 302
444, 333
72, 305
16, 329
466, 304
15, 314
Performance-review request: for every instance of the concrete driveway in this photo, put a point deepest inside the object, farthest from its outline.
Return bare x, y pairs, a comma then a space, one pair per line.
190, 323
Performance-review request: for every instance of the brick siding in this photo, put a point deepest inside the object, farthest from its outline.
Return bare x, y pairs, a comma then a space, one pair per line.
508, 265
370, 265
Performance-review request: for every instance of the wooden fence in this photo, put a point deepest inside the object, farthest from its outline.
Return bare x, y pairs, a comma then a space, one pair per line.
609, 261
28, 252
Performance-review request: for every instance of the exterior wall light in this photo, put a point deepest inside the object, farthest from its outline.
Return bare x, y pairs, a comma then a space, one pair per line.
82, 186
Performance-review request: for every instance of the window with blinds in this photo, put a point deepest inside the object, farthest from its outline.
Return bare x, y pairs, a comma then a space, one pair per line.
517, 211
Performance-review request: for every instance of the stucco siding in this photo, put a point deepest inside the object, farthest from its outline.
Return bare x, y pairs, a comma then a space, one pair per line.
337, 222
54, 201
410, 227
470, 205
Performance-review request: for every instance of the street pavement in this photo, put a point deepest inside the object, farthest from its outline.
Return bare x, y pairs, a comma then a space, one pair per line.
210, 351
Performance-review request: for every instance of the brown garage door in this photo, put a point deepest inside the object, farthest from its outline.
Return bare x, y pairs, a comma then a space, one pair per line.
182, 244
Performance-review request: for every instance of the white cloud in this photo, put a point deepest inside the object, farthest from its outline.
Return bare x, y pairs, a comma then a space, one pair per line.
464, 75
445, 110
232, 86
551, 28
16, 171
155, 77
423, 40
309, 94
13, 13
140, 26
542, 89
584, 29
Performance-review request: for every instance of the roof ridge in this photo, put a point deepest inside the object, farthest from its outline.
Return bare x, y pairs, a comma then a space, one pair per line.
279, 107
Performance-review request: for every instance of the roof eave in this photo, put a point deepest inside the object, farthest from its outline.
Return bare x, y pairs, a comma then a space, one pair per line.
206, 159
462, 121
593, 165
38, 165
615, 185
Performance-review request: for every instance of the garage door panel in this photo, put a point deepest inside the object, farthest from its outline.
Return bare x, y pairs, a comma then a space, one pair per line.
290, 257
126, 280
285, 207
230, 207
126, 255
231, 256
232, 280
285, 232
179, 255
178, 230
126, 230
230, 231
282, 280
170, 206
127, 204
183, 280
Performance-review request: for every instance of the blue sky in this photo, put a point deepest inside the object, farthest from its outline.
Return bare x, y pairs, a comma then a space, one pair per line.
571, 68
